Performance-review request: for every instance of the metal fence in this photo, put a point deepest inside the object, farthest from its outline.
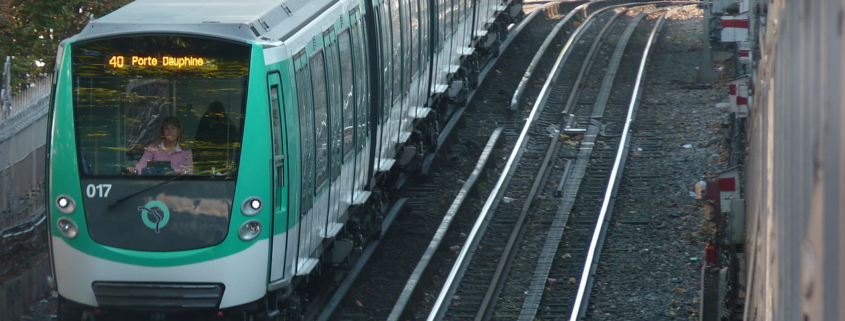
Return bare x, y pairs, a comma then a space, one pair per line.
22, 101
23, 134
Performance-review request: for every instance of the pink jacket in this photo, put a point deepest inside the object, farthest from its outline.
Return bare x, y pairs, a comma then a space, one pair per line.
182, 161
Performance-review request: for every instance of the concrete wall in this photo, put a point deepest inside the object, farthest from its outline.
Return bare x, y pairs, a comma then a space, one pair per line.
796, 168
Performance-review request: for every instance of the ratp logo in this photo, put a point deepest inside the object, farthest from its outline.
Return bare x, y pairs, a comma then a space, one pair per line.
155, 215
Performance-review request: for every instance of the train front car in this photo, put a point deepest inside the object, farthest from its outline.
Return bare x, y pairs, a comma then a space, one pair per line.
154, 209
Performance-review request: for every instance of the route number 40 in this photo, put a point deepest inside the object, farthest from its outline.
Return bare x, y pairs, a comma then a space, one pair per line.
99, 190
116, 61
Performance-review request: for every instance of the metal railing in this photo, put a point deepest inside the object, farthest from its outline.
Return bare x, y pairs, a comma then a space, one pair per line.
25, 99
22, 156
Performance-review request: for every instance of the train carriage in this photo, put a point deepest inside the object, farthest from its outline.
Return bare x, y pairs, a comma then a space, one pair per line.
277, 121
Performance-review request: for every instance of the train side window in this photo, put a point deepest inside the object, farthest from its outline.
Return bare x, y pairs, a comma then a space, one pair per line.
398, 47
332, 70
445, 22
425, 34
440, 23
278, 162
413, 32
469, 15
456, 13
318, 83
347, 92
362, 110
335, 103
306, 131
386, 47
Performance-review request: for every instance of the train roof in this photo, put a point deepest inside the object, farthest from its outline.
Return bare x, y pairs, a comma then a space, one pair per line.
246, 20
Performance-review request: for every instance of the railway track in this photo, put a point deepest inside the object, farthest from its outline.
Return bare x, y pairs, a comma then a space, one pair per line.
574, 139
520, 244
425, 197
625, 239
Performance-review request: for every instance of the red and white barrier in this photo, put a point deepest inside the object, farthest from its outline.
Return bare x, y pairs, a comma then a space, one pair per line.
735, 28
745, 53
738, 96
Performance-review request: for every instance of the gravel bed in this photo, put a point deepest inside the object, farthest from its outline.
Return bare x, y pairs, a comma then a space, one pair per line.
664, 272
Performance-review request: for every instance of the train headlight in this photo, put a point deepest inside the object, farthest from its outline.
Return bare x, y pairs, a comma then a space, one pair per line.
67, 227
65, 204
249, 230
251, 206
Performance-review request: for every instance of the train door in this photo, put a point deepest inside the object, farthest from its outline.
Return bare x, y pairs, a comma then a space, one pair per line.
319, 87
407, 46
306, 226
426, 31
280, 221
363, 101
338, 185
348, 103
453, 20
383, 34
398, 45
462, 24
415, 51
441, 18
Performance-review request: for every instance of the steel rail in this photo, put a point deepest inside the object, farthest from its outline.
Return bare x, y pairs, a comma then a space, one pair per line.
329, 307
445, 134
531, 304
576, 90
496, 282
529, 72
535, 292
405, 296
593, 253
515, 237
474, 236
483, 160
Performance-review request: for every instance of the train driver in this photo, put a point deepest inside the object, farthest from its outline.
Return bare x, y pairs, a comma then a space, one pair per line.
168, 147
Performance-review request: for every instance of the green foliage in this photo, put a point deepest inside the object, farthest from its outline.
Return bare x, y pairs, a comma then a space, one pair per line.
30, 31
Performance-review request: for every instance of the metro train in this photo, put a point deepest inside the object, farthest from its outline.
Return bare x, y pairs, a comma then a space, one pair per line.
212, 158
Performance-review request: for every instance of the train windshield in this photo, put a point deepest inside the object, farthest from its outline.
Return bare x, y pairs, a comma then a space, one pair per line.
159, 105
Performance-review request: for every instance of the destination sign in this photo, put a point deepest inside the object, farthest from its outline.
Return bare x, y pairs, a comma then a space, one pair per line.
168, 62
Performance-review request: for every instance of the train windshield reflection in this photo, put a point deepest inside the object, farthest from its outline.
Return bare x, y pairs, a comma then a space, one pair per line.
159, 105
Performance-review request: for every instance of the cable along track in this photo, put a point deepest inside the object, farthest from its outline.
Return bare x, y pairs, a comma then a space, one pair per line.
572, 136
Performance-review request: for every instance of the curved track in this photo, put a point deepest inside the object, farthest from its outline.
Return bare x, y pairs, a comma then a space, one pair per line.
568, 124
574, 124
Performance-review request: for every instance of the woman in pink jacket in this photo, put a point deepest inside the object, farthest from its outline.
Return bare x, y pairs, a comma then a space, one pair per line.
169, 147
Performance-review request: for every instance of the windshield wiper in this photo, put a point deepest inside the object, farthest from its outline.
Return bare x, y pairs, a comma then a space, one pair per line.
122, 199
